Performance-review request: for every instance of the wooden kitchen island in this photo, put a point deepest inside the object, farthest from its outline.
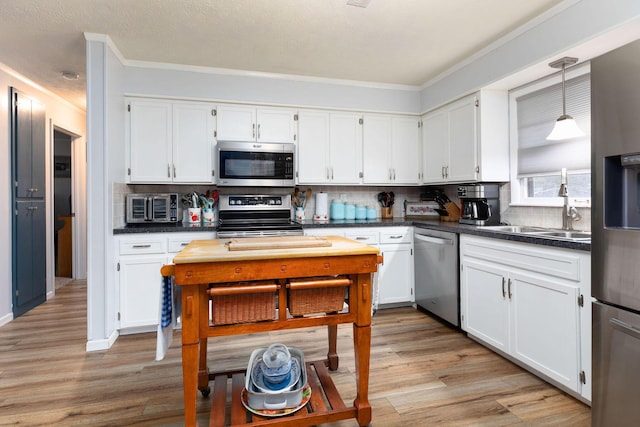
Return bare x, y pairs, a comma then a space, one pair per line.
225, 292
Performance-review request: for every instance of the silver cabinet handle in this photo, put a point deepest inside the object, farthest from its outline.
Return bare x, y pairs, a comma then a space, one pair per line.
174, 171
258, 130
141, 246
168, 171
331, 173
509, 287
254, 130
32, 190
327, 174
400, 236
442, 172
390, 176
361, 238
394, 174
32, 208
504, 294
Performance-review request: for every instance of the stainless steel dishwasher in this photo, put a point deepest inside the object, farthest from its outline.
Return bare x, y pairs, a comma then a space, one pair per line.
436, 273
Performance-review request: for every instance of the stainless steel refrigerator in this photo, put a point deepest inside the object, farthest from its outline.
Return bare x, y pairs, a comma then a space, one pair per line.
615, 124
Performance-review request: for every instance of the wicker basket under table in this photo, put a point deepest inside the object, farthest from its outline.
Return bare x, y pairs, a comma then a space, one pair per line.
316, 295
243, 302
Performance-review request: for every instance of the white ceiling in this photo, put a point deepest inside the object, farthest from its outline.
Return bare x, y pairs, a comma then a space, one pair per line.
404, 42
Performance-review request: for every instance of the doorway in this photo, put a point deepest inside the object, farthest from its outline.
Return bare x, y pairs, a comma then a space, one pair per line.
62, 207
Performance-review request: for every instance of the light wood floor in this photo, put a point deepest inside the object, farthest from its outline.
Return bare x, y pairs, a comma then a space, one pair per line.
422, 373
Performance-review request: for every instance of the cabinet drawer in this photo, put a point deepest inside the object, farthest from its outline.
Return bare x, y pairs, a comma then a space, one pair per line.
364, 236
396, 236
178, 242
147, 246
176, 245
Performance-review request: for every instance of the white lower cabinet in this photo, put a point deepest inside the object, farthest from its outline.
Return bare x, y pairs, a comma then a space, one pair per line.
395, 274
530, 303
140, 290
139, 260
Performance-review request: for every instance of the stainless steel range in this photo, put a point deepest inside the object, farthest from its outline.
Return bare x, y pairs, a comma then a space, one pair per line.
256, 215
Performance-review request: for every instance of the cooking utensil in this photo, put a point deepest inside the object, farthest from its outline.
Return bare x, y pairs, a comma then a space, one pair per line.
381, 198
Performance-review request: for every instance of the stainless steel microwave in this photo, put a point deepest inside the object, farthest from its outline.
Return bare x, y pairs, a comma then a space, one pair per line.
147, 208
255, 164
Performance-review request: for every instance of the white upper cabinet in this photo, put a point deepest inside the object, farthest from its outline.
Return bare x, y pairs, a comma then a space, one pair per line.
391, 149
150, 145
193, 143
329, 147
250, 123
467, 140
345, 152
170, 141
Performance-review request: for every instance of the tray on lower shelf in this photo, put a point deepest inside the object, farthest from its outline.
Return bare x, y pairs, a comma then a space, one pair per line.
325, 404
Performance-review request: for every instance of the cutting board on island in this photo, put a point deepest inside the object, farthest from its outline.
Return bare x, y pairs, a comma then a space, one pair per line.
277, 242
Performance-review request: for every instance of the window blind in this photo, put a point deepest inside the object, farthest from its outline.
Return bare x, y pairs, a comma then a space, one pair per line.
537, 113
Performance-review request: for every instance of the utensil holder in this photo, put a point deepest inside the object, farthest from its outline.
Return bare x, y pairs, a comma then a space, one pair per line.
387, 212
194, 215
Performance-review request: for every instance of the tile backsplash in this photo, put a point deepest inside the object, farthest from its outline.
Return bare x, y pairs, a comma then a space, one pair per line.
520, 215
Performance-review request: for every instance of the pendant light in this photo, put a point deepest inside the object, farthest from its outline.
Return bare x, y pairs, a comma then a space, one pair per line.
565, 127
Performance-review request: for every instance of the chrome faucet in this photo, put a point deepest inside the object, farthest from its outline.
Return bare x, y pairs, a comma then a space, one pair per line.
569, 213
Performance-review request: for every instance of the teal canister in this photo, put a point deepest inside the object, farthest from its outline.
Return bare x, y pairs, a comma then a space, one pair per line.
361, 212
371, 213
337, 210
349, 211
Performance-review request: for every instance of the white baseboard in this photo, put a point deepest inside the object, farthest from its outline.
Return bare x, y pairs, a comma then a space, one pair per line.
6, 319
104, 344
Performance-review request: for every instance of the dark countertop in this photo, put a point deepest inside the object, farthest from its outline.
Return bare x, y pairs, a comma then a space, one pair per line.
178, 227
452, 227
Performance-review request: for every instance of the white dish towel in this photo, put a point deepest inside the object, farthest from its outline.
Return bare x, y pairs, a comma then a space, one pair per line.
165, 326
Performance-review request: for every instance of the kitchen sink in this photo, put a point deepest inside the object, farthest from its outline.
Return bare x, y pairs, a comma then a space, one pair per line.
572, 235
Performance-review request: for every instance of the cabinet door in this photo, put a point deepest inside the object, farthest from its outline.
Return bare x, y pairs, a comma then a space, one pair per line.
150, 147
435, 146
376, 145
313, 147
193, 143
140, 281
463, 139
395, 275
484, 303
544, 315
345, 148
275, 125
405, 150
236, 123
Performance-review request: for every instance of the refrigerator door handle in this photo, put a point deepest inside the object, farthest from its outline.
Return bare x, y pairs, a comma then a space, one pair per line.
624, 327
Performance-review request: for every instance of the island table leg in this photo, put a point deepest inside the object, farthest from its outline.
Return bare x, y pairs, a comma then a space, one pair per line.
332, 355
362, 348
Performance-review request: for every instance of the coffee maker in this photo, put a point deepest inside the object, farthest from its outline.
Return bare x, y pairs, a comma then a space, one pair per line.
479, 204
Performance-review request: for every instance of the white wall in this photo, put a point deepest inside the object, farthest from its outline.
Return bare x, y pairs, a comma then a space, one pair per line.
105, 160
61, 114
203, 84
577, 29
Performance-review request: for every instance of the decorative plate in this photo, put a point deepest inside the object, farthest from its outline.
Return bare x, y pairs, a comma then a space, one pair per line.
306, 396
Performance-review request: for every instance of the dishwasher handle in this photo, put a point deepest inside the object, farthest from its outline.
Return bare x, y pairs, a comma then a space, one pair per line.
431, 239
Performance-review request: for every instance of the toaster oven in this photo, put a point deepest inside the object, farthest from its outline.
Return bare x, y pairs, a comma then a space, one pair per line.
150, 208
